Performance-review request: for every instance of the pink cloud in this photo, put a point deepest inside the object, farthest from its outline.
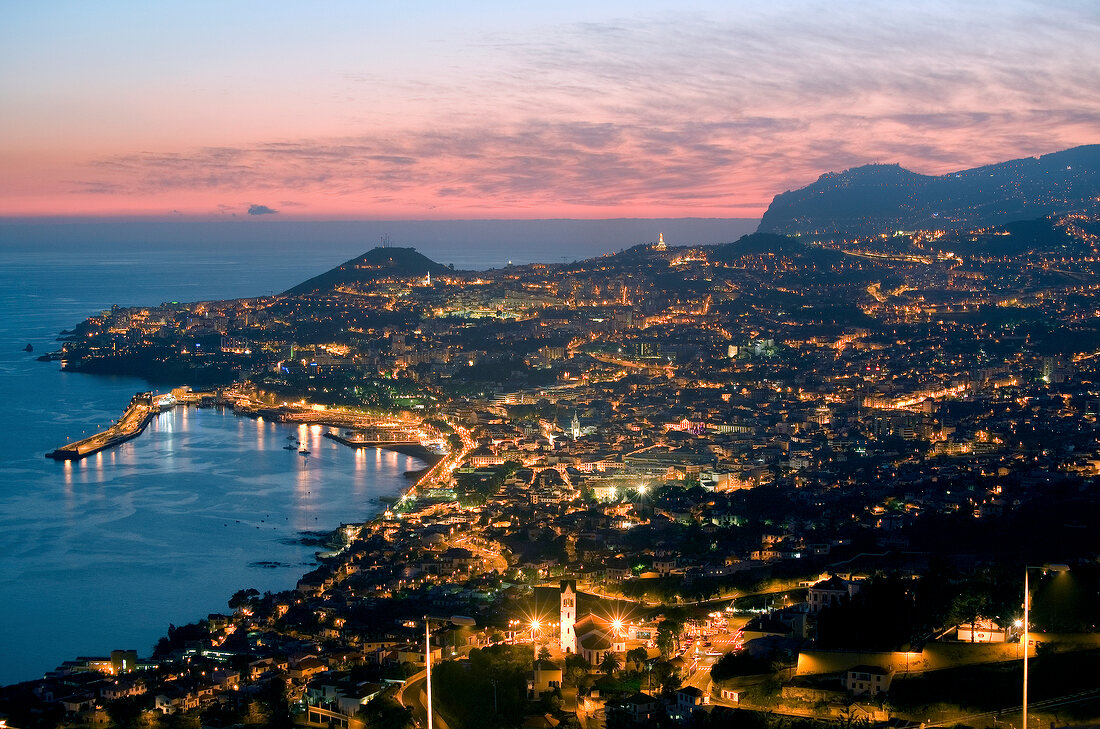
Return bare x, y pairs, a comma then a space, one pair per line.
677, 115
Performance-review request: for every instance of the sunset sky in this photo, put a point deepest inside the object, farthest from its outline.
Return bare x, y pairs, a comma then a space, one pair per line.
459, 110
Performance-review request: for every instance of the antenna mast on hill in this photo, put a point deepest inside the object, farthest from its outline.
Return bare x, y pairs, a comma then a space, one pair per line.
385, 240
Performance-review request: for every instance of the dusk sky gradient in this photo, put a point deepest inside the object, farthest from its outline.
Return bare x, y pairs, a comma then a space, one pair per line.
425, 110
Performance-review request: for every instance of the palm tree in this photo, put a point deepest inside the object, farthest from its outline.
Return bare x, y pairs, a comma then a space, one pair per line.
610, 663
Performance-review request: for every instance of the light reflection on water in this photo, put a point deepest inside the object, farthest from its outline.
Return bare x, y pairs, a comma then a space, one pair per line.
104, 553
163, 528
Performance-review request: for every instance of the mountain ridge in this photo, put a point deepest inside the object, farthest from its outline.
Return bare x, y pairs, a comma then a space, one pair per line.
880, 198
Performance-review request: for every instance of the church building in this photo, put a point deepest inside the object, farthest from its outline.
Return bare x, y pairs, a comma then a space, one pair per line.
590, 635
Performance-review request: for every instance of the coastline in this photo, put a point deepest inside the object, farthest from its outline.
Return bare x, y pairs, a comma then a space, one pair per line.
372, 495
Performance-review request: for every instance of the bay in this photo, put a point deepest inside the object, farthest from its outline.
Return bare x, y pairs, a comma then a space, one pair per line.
106, 552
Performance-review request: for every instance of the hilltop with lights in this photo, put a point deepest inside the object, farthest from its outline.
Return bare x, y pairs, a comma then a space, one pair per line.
378, 264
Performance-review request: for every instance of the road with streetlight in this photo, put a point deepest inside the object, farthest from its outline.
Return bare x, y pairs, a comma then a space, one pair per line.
414, 696
490, 553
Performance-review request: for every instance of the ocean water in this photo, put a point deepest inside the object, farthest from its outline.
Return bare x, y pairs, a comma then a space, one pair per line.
105, 553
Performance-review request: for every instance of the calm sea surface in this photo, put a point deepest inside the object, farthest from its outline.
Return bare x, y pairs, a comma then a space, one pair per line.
106, 552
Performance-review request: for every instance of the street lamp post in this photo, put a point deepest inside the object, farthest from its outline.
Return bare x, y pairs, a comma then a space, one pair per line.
428, 667
1027, 602
455, 620
1027, 608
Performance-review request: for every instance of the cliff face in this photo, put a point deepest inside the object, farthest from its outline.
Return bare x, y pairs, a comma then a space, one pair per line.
882, 198
373, 265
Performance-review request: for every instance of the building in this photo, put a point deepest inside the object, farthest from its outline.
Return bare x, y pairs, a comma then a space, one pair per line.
639, 707
596, 637
334, 699
830, 592
690, 698
591, 636
868, 680
545, 676
982, 630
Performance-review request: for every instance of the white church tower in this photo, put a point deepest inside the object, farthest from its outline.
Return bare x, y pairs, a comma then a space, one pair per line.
568, 616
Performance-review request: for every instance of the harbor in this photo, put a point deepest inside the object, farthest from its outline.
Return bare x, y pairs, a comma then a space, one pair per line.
402, 436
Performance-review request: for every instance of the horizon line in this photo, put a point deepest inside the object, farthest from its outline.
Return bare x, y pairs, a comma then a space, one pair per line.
271, 219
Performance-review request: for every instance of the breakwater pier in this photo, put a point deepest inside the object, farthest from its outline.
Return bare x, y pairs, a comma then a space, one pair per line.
399, 442
143, 407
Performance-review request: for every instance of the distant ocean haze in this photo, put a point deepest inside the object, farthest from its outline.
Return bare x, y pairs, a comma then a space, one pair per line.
309, 248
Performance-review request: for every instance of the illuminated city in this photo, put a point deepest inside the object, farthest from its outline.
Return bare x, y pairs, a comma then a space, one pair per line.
842, 470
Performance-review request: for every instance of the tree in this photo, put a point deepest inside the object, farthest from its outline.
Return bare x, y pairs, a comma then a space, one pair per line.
610, 663
552, 701
968, 607
180, 720
219, 715
488, 690
244, 598
383, 712
273, 696
125, 712
738, 664
544, 654
576, 667
637, 656
674, 623
666, 639
664, 673
670, 683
